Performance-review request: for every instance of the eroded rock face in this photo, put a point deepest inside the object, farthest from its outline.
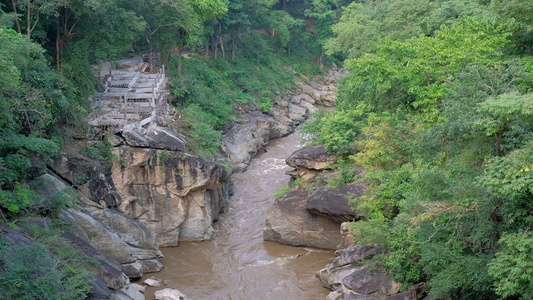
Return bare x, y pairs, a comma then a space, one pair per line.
176, 195
334, 204
289, 223
349, 278
312, 157
243, 140
103, 227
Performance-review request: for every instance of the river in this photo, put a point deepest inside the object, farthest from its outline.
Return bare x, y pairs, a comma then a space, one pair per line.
237, 264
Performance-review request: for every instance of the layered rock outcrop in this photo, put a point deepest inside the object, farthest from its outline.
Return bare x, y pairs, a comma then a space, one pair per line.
350, 278
246, 137
289, 223
334, 203
177, 196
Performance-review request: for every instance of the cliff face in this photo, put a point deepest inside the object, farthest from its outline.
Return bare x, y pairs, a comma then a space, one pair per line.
176, 195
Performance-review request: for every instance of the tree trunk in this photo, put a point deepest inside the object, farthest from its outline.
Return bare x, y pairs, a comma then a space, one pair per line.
233, 49
207, 48
28, 17
222, 47
58, 46
17, 24
498, 137
179, 63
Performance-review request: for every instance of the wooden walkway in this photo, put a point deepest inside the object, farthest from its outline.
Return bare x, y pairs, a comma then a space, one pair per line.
131, 98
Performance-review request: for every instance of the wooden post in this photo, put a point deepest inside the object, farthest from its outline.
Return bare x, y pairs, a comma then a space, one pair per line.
153, 96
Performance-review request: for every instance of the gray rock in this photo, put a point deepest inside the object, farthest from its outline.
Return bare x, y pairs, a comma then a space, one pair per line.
151, 265
288, 223
157, 138
108, 269
365, 281
348, 275
333, 204
283, 126
344, 264
243, 141
133, 270
132, 292
139, 287
309, 90
313, 157
152, 282
114, 234
303, 98
169, 294
335, 295
315, 85
297, 113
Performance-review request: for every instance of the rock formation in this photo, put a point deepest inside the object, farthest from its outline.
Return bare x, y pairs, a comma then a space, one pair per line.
350, 278
246, 137
289, 223
176, 195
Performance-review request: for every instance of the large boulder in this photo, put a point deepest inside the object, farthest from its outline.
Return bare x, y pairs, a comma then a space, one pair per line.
177, 196
283, 125
312, 158
350, 278
334, 204
289, 223
169, 294
156, 138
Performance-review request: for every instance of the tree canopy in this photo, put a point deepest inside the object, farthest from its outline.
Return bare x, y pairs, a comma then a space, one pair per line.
437, 108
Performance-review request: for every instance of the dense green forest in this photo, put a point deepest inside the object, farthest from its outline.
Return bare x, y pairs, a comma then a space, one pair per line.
437, 107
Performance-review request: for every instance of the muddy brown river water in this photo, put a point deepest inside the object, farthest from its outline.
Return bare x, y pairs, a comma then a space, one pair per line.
237, 264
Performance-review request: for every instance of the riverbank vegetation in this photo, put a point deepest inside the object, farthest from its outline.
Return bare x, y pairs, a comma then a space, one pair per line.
438, 109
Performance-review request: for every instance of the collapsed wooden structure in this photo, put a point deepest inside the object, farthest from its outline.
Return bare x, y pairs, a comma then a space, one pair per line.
131, 98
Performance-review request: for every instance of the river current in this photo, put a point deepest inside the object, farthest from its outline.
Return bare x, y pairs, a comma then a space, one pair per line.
237, 264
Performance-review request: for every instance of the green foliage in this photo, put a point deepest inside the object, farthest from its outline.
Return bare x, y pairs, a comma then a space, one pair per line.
164, 155
345, 173
281, 192
417, 73
213, 92
16, 200
43, 271
442, 124
512, 266
511, 176
336, 130
203, 138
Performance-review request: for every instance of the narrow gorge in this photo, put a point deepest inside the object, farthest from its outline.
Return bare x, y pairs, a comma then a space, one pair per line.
153, 194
